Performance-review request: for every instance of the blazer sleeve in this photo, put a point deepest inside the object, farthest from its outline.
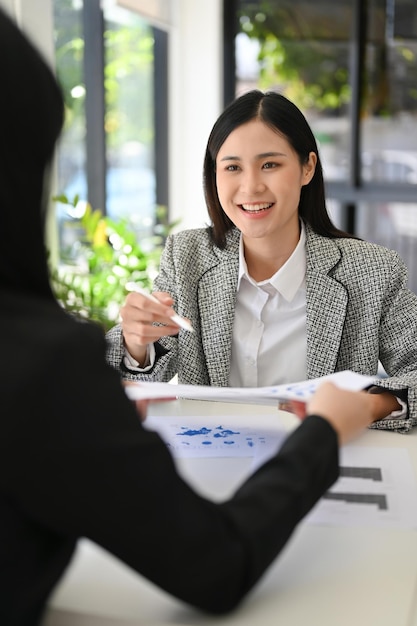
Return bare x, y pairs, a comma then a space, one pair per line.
398, 345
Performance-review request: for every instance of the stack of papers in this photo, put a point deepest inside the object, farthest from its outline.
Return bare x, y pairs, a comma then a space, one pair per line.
301, 391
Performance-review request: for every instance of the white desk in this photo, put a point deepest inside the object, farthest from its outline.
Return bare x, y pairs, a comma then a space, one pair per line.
326, 576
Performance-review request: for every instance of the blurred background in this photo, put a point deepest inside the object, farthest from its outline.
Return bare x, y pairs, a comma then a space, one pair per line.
145, 81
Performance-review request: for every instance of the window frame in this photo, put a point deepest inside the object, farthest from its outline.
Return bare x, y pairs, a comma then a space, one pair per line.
354, 191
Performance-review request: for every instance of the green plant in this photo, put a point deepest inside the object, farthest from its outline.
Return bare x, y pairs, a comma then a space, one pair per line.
109, 257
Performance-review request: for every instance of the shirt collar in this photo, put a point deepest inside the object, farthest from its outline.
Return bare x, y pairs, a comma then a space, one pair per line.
289, 278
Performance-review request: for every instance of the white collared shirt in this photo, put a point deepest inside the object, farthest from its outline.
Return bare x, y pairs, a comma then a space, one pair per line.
269, 344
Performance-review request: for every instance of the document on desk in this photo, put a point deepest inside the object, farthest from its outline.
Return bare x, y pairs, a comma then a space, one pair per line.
256, 395
376, 487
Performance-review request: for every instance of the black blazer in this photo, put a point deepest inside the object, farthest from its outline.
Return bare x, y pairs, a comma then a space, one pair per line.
75, 461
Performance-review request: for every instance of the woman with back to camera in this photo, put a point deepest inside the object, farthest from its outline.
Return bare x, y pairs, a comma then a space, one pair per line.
274, 291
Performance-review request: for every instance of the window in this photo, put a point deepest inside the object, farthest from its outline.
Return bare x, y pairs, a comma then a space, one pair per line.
352, 69
106, 57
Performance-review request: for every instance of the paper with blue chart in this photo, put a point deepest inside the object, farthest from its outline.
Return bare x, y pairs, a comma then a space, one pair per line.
376, 487
196, 437
254, 395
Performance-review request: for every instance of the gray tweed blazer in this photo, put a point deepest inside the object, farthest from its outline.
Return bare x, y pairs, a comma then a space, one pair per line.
359, 311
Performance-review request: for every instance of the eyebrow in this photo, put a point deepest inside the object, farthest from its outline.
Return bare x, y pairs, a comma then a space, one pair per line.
263, 155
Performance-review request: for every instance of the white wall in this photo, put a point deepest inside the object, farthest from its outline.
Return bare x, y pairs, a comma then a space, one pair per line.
195, 92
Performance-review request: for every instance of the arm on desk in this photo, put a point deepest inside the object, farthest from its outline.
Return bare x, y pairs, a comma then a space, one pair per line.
100, 474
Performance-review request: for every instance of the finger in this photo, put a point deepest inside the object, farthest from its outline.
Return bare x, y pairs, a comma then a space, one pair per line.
142, 408
148, 333
296, 407
284, 405
163, 297
158, 302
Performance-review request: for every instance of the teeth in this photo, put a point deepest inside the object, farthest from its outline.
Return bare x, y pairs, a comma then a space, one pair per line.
256, 207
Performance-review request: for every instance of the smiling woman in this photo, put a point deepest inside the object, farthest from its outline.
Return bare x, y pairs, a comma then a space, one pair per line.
274, 291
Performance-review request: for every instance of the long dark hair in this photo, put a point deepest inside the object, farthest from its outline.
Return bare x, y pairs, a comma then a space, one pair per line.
282, 116
32, 111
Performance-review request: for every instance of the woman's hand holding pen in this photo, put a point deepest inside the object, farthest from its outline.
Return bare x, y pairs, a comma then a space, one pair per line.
138, 315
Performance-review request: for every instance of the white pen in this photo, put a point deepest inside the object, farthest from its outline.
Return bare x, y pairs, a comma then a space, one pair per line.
183, 323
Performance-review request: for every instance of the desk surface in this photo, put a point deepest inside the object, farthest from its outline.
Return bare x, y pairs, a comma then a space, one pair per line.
326, 575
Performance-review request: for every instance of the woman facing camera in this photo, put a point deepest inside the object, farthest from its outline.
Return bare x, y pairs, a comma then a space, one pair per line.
274, 291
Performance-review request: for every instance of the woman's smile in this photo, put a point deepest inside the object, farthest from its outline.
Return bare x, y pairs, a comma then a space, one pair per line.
256, 208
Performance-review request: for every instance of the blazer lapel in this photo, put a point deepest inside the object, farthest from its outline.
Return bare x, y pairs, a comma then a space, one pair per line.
327, 301
216, 301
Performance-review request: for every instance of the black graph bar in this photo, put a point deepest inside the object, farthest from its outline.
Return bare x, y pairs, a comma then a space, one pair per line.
370, 473
359, 498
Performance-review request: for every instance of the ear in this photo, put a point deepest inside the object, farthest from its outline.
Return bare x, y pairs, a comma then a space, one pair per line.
309, 168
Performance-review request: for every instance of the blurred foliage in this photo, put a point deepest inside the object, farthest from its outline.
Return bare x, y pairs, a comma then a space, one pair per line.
109, 258
307, 61
305, 49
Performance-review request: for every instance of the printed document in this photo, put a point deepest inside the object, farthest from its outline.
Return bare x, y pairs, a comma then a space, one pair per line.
257, 395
